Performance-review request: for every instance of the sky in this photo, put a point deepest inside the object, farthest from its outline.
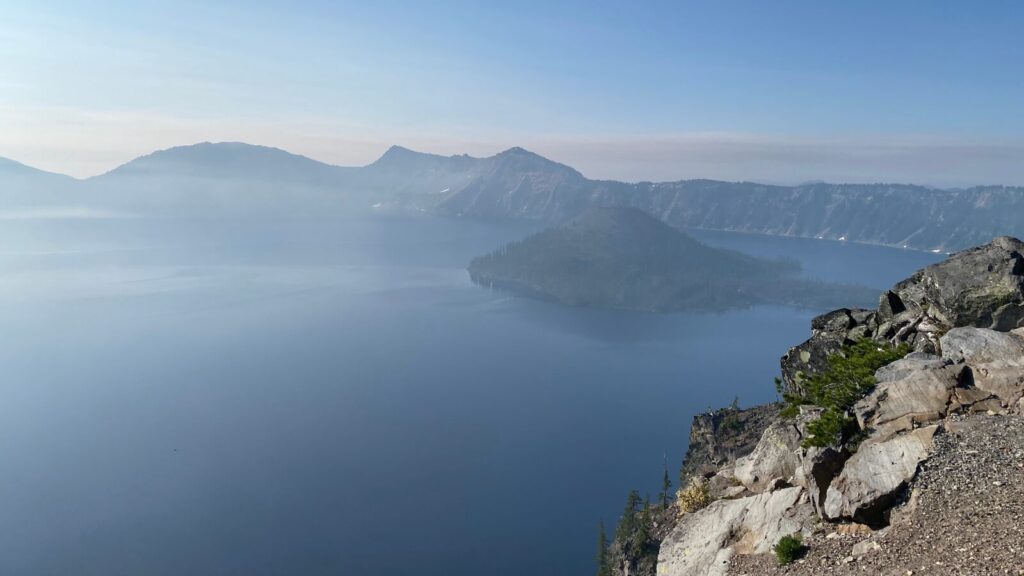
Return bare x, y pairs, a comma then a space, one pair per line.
928, 92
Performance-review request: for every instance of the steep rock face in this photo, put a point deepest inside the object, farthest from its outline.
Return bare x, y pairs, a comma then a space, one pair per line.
704, 542
981, 287
719, 437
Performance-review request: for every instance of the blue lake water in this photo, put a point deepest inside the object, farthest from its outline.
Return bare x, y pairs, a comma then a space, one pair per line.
316, 397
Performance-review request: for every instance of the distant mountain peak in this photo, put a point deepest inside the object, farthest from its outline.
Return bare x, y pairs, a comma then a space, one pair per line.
522, 159
398, 157
397, 150
517, 150
225, 160
6, 164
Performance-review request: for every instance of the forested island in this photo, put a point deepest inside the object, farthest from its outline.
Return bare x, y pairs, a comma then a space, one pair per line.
626, 259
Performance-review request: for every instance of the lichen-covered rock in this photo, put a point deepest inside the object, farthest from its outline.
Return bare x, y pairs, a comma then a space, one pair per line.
703, 542
982, 287
774, 457
828, 334
871, 479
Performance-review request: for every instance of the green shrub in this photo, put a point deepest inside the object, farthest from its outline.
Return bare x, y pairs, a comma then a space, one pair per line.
849, 377
788, 549
633, 536
828, 429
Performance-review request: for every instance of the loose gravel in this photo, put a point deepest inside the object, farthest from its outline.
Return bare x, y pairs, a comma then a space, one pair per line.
963, 515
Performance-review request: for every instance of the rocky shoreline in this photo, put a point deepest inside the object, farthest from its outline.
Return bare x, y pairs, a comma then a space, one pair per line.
932, 450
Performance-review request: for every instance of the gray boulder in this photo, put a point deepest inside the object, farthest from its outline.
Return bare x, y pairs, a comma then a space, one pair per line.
982, 287
921, 395
703, 543
995, 359
871, 478
977, 346
774, 458
909, 364
818, 467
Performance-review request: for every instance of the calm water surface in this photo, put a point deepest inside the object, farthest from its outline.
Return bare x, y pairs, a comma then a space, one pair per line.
337, 398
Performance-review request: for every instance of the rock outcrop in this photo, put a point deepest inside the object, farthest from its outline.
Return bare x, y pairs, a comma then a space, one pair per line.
963, 516
963, 319
719, 437
996, 361
907, 397
982, 287
704, 542
773, 460
871, 478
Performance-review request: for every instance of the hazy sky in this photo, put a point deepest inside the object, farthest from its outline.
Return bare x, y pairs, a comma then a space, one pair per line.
924, 91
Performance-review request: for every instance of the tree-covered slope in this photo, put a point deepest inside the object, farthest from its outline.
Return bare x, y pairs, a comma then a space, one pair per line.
624, 258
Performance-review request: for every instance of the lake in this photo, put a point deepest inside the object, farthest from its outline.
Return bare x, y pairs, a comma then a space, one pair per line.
335, 397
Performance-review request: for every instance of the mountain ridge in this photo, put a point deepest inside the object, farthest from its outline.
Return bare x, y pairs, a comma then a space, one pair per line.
399, 149
519, 184
10, 167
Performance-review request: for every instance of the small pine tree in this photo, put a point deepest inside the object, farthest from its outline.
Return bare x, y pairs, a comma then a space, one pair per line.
628, 522
641, 541
603, 568
666, 484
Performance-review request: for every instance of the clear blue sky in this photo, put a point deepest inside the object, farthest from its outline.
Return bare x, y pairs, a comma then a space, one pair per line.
772, 90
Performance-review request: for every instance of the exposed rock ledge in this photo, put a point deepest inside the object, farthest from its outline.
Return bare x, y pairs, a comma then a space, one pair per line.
964, 318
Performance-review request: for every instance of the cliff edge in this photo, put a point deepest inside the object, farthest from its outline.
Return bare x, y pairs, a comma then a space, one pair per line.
899, 447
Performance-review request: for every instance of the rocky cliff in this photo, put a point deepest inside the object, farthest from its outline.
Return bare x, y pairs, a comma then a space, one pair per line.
981, 287
930, 451
719, 437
